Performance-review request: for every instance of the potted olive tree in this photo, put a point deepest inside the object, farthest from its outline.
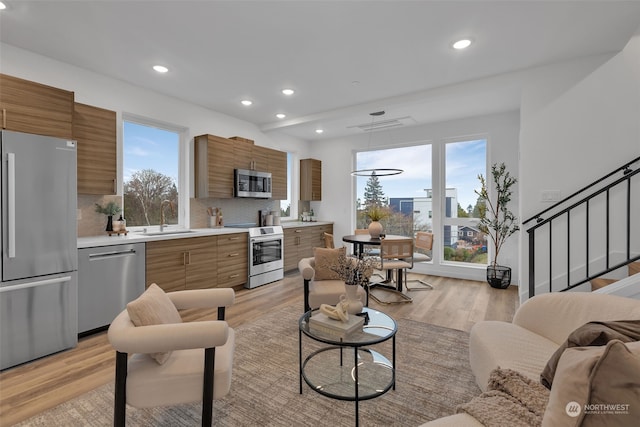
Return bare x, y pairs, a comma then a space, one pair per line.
497, 221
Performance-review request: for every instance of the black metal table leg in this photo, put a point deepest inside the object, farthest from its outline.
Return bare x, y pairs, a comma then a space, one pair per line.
355, 374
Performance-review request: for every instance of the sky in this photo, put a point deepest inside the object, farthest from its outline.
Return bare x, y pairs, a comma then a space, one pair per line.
147, 147
464, 161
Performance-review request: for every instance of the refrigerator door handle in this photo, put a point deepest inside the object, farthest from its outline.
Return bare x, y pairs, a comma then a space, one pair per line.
35, 284
11, 194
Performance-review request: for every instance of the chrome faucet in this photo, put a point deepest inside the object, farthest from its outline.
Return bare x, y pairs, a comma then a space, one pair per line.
162, 206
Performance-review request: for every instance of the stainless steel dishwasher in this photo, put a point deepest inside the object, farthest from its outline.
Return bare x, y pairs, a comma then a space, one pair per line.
108, 278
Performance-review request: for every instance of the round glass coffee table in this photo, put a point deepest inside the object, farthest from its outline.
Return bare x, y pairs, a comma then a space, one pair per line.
336, 372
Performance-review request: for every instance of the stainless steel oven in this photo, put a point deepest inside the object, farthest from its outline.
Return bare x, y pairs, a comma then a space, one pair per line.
266, 255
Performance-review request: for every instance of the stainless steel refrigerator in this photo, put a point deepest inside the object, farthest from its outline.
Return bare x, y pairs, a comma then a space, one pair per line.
39, 287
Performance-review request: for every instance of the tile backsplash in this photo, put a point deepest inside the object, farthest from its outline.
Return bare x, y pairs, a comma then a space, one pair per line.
235, 211
90, 222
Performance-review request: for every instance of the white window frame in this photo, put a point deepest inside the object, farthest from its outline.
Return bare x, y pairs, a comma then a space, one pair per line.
183, 164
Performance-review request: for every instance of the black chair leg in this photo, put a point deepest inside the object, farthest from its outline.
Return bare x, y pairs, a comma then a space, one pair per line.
207, 388
120, 404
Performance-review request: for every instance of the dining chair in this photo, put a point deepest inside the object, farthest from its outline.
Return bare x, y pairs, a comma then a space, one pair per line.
370, 251
328, 240
396, 255
424, 241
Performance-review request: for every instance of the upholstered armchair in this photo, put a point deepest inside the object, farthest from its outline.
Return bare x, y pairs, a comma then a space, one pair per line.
320, 286
172, 362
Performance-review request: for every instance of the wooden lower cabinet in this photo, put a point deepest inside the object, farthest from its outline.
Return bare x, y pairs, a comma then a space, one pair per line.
181, 264
300, 241
233, 259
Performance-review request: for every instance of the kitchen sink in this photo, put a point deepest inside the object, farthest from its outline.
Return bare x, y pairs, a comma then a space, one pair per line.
166, 232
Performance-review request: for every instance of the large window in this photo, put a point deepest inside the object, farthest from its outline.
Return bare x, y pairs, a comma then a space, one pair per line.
432, 194
407, 198
462, 241
151, 172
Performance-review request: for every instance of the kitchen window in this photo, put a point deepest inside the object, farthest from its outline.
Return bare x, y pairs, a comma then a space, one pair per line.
286, 206
152, 172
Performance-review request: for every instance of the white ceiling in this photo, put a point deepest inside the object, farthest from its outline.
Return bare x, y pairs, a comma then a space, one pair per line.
345, 59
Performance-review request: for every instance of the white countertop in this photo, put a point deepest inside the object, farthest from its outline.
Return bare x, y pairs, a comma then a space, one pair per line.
138, 237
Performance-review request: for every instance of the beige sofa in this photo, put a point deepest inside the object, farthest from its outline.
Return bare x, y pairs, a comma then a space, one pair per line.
539, 327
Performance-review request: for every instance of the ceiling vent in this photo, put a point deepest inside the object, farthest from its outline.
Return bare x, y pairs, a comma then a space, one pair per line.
384, 124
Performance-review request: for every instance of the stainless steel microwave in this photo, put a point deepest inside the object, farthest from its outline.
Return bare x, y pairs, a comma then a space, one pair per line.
254, 184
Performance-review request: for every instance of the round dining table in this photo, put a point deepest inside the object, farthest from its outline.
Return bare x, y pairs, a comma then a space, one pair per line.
359, 241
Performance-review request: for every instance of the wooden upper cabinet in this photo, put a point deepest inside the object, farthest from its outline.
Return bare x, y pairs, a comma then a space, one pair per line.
35, 108
260, 157
251, 157
95, 130
310, 179
214, 160
216, 157
242, 159
278, 169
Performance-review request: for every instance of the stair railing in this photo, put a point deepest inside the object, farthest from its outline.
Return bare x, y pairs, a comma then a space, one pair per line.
602, 214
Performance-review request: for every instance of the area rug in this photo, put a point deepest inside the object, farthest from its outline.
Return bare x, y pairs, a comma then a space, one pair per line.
432, 377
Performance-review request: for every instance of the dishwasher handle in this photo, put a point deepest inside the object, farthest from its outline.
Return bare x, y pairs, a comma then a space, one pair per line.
112, 254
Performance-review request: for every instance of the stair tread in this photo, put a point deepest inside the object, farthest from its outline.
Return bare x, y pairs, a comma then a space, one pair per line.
600, 282
634, 268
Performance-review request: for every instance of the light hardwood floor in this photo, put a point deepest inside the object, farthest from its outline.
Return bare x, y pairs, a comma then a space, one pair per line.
34, 387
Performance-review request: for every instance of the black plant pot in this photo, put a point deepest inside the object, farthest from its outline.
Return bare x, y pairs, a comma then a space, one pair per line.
498, 276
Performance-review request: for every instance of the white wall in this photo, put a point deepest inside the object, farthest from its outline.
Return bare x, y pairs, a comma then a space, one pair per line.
338, 160
579, 121
95, 89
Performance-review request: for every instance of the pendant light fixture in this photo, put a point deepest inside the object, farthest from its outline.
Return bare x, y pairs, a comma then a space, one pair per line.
376, 171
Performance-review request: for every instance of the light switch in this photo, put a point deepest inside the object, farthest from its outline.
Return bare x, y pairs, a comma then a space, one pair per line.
78, 214
551, 196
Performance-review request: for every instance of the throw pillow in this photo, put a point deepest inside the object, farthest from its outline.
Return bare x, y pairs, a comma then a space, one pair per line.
596, 386
154, 307
590, 334
325, 259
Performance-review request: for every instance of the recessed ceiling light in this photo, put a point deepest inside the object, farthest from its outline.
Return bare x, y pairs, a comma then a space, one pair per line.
462, 44
319, 131
160, 68
246, 102
2, 6
281, 116
288, 91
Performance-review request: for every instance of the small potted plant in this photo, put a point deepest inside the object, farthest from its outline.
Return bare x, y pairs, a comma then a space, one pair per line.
497, 221
110, 209
375, 214
355, 272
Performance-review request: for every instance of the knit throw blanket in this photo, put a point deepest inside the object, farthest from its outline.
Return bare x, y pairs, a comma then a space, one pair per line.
511, 400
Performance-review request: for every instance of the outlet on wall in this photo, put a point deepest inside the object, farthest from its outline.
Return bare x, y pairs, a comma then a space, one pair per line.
78, 214
551, 196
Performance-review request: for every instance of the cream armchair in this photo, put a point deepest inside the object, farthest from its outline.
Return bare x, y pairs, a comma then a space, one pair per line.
195, 360
318, 292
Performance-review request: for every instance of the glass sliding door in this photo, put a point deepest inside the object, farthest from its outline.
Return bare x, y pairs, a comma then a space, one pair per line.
462, 241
